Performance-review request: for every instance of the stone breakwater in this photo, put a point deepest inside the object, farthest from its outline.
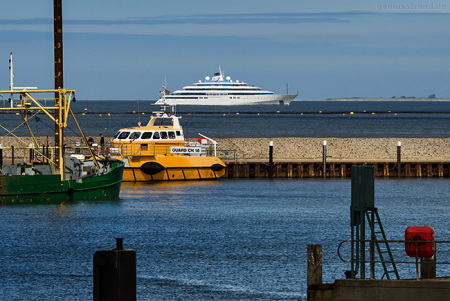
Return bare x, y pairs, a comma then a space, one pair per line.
340, 149
309, 149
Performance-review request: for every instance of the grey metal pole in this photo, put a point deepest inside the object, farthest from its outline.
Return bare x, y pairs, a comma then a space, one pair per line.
399, 159
324, 159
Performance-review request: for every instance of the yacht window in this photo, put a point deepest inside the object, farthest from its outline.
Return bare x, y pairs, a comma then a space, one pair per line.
147, 135
135, 135
163, 135
156, 135
123, 135
171, 135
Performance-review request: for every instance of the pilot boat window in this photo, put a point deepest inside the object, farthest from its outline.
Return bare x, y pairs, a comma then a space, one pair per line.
116, 135
171, 135
178, 133
163, 121
147, 135
156, 135
123, 135
163, 135
144, 147
135, 135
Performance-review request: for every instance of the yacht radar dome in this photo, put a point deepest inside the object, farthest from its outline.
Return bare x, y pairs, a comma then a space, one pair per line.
228, 78
207, 78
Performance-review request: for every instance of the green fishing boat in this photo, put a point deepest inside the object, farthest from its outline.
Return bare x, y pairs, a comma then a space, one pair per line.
48, 173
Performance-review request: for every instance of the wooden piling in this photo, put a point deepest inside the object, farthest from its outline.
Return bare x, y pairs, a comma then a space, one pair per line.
314, 268
335, 170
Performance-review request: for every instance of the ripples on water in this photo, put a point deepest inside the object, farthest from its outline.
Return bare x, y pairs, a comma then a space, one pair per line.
221, 240
393, 119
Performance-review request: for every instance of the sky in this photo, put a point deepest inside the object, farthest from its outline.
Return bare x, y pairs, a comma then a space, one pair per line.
119, 49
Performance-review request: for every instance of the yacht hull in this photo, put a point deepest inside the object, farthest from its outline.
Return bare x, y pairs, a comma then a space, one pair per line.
280, 99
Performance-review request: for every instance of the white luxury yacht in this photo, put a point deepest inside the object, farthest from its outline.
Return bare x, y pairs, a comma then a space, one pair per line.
221, 91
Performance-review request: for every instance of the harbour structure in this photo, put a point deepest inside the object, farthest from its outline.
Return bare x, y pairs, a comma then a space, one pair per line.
158, 152
222, 91
49, 175
382, 280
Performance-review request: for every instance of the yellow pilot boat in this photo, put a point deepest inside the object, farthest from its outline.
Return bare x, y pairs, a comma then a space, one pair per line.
159, 152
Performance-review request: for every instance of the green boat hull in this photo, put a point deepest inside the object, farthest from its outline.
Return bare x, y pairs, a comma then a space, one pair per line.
50, 188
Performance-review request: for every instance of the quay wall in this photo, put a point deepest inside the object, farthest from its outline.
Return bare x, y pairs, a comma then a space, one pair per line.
374, 290
292, 170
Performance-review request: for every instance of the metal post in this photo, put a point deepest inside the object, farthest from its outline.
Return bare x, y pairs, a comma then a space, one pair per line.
31, 153
270, 159
372, 249
399, 155
428, 267
1, 156
12, 154
324, 159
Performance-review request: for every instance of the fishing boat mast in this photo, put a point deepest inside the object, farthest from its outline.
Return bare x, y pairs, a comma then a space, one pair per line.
59, 84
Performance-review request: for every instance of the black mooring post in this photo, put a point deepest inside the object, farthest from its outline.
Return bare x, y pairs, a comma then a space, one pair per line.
399, 159
31, 153
270, 159
1, 156
115, 274
12, 154
324, 158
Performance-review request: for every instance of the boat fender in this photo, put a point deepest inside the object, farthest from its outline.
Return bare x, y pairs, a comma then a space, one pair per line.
217, 167
151, 168
70, 191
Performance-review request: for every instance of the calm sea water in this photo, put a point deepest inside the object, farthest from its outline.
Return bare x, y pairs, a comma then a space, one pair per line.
220, 240
395, 119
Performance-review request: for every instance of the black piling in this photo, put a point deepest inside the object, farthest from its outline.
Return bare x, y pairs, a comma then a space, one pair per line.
1, 156
399, 158
270, 159
12, 154
115, 274
31, 153
324, 159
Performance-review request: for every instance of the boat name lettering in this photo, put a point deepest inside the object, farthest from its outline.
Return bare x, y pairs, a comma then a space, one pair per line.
185, 150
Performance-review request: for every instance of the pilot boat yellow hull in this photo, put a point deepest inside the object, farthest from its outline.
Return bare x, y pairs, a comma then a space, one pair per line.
172, 168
